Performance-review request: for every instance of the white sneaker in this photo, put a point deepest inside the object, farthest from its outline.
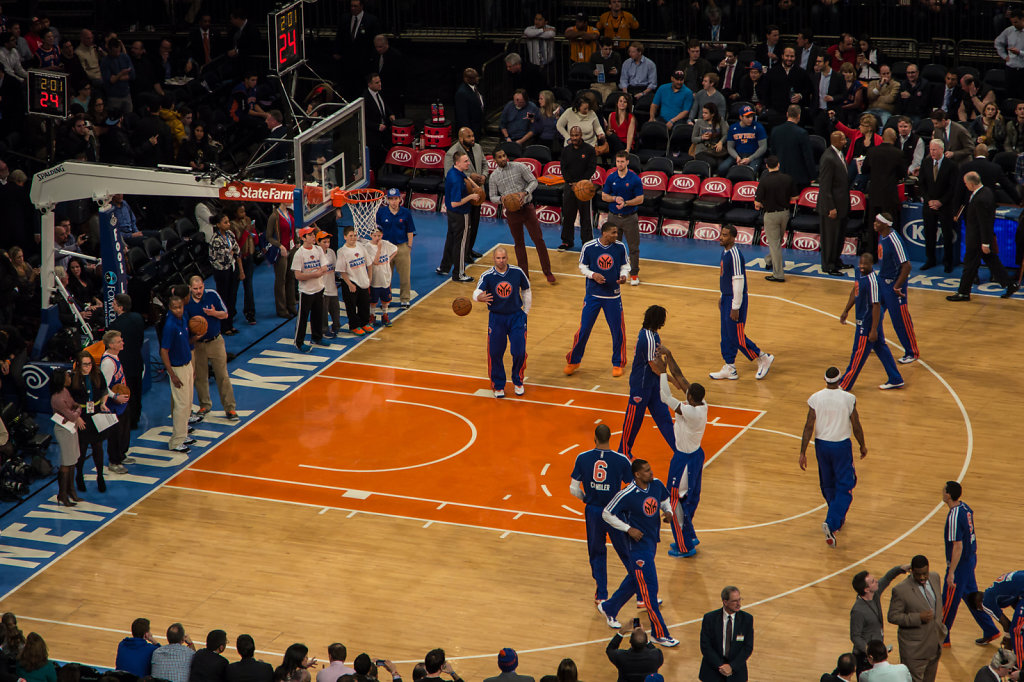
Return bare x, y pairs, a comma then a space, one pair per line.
764, 363
640, 604
612, 623
830, 538
906, 359
666, 641
519, 390
727, 372
887, 386
499, 394
634, 281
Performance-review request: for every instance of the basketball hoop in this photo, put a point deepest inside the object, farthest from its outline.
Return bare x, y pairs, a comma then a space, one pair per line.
363, 203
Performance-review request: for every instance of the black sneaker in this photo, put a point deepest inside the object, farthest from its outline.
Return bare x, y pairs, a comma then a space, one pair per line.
189, 441
443, 273
564, 247
462, 278
476, 254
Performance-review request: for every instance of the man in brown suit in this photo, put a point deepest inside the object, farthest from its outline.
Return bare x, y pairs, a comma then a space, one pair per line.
913, 609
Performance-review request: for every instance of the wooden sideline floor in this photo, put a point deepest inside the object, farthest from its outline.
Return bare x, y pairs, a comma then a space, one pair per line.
393, 506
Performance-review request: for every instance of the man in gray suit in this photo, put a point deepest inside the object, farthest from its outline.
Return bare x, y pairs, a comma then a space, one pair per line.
508, 661
833, 203
958, 143
913, 610
866, 615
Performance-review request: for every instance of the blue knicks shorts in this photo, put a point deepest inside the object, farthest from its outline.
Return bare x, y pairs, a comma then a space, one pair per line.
380, 295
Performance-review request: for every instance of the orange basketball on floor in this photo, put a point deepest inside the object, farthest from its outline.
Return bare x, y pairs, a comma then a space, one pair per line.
197, 325
461, 306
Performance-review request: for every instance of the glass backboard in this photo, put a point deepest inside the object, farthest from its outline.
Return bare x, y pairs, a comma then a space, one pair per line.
331, 153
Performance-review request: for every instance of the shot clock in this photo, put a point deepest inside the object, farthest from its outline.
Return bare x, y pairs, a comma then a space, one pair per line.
287, 38
48, 93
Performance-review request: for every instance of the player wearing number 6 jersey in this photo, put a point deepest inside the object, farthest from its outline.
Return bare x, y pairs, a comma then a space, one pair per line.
961, 560
1006, 592
635, 511
506, 291
605, 264
597, 477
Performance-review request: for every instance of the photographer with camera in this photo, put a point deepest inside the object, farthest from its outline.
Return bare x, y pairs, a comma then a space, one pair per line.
366, 669
434, 664
641, 659
517, 119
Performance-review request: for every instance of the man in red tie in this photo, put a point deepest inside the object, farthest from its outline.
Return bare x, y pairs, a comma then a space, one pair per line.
728, 75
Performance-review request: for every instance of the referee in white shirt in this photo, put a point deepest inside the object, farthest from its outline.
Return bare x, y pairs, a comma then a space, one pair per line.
830, 415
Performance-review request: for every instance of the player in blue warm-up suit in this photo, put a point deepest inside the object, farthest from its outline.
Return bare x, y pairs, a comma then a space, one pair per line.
893, 270
645, 385
869, 337
506, 291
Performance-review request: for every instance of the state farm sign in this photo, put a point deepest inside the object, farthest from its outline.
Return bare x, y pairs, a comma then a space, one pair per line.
257, 191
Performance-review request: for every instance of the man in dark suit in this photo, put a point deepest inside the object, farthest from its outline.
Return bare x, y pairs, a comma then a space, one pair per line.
133, 330
883, 164
959, 145
833, 203
726, 640
204, 44
825, 96
937, 179
980, 240
792, 145
913, 98
248, 669
378, 121
947, 95
248, 48
846, 670
992, 176
730, 72
712, 29
806, 51
469, 104
353, 46
389, 64
787, 84
641, 659
769, 51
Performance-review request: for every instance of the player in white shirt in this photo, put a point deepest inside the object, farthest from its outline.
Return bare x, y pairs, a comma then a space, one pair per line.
354, 259
685, 472
831, 414
380, 274
307, 264
331, 307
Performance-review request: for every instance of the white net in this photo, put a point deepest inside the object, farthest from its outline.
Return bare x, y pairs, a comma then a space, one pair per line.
363, 204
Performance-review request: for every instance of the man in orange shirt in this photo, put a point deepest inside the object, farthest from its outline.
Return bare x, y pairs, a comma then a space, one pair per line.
582, 40
616, 24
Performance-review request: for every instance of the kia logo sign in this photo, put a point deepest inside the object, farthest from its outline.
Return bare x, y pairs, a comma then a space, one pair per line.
850, 246
674, 228
747, 191
683, 184
555, 169
488, 210
549, 215
806, 242
913, 232
491, 165
650, 180
812, 196
744, 235
648, 225
423, 203
707, 231
856, 202
401, 156
714, 186
595, 178
432, 158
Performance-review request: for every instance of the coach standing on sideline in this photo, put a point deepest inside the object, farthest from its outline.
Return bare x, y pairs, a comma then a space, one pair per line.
830, 414
515, 180
176, 353
456, 201
396, 224
774, 193
477, 172
624, 192
597, 476
579, 161
726, 640
980, 216
209, 349
833, 203
506, 291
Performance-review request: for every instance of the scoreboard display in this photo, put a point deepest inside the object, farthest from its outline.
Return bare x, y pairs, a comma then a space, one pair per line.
48, 93
287, 38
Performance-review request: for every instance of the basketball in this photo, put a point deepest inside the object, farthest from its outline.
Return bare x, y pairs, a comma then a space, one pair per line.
197, 325
461, 306
121, 389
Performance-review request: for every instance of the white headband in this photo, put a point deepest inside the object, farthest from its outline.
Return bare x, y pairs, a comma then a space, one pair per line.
882, 219
833, 380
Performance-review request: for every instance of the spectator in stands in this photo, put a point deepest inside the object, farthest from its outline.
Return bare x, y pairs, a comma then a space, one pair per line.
34, 661
390, 64
23, 48
82, 285
1003, 664
524, 75
434, 664
508, 660
209, 349
774, 195
353, 46
694, 66
974, 97
47, 56
124, 222
883, 671
882, 94
989, 129
567, 671
296, 657
96, 113
63, 240
846, 670
910, 144
1010, 47
10, 60
708, 137
78, 141
956, 139
948, 97
225, 257
787, 84
581, 115
843, 52
868, 59
861, 139
32, 36
712, 28
606, 65
135, 653
754, 88
826, 91
992, 176
640, 660
89, 55
174, 661
151, 138
132, 328
582, 40
477, 172
146, 77
69, 414
617, 24
469, 104
1014, 142
621, 125
281, 236
69, 63
517, 119
672, 101
914, 101
729, 75
746, 143
545, 124
336, 653
540, 42
204, 44
770, 50
245, 106
115, 146
27, 274
12, 639
806, 51
166, 65
208, 665
244, 229
117, 73
852, 99
248, 669
709, 94
12, 108
248, 47
639, 74
792, 145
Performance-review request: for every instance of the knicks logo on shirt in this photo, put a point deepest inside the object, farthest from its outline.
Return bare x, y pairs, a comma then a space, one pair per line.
605, 262
504, 289
879, 252
639, 563
650, 506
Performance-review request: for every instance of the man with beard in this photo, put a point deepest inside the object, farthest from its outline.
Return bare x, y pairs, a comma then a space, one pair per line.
579, 161
477, 173
787, 84
515, 179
